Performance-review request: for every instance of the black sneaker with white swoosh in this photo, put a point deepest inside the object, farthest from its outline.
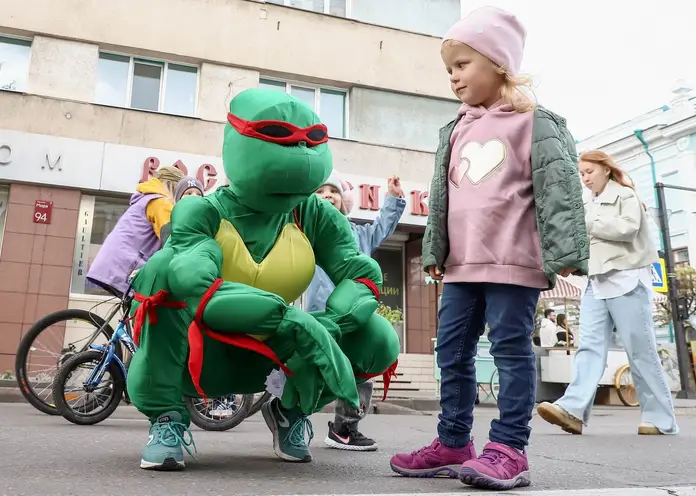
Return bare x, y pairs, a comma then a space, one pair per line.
349, 440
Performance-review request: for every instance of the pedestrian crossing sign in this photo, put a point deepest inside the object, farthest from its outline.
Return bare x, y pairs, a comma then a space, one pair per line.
659, 276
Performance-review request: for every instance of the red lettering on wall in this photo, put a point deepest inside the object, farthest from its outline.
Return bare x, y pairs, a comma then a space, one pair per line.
369, 197
149, 168
418, 205
180, 165
206, 173
207, 176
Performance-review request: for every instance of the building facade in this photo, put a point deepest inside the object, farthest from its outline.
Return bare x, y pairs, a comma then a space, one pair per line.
90, 108
668, 135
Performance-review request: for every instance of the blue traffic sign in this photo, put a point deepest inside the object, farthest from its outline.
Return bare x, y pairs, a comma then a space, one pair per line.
659, 276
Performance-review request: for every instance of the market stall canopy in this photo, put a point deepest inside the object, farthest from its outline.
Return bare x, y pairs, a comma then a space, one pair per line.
567, 288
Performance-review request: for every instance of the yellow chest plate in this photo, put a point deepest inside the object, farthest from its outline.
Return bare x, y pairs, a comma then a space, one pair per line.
286, 271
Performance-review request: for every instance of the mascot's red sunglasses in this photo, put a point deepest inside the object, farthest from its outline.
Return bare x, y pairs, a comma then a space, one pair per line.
279, 132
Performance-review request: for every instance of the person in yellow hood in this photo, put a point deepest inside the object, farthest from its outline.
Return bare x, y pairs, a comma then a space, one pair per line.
137, 235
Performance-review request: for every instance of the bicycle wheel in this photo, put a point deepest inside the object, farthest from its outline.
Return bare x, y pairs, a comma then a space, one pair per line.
495, 385
259, 400
35, 375
219, 414
624, 386
89, 411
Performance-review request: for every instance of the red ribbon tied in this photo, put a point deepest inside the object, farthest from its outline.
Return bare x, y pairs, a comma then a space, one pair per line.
148, 309
387, 376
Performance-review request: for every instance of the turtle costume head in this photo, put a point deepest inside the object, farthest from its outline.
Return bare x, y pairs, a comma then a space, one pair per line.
275, 152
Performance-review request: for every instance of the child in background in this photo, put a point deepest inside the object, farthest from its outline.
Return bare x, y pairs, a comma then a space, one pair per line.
506, 216
138, 234
343, 431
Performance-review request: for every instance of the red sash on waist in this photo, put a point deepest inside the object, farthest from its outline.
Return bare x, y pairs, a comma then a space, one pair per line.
195, 339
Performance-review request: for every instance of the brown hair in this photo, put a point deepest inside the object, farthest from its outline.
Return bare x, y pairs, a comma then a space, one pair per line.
598, 157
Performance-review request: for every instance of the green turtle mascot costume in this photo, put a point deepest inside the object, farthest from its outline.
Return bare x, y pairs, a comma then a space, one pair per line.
213, 309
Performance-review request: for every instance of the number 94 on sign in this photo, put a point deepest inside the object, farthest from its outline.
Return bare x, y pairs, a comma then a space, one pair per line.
42, 211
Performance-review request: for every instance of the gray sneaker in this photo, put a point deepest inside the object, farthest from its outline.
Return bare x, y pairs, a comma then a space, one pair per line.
290, 432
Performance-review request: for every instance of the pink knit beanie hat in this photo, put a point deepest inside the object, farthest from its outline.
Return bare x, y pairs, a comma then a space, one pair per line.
347, 203
494, 33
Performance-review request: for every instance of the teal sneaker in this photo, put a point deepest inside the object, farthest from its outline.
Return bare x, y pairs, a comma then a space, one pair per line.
165, 448
290, 430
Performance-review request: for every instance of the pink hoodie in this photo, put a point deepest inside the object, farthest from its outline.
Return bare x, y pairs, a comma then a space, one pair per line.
491, 213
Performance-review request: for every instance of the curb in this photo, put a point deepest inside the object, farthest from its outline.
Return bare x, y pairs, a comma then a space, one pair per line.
10, 395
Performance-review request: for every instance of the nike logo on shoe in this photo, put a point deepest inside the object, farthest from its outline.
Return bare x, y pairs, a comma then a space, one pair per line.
344, 440
282, 419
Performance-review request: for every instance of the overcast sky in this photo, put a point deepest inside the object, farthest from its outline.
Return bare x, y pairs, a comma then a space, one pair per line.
602, 62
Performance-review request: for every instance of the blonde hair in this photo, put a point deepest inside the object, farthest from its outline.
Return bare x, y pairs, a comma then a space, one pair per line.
514, 88
169, 176
598, 157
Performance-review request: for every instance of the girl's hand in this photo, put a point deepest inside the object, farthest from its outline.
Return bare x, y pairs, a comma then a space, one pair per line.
566, 271
435, 273
394, 187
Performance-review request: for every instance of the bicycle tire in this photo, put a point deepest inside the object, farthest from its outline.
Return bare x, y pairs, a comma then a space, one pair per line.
208, 424
256, 405
617, 384
34, 331
493, 383
119, 382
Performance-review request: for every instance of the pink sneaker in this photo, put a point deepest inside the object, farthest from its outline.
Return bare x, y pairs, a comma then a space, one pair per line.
433, 460
499, 467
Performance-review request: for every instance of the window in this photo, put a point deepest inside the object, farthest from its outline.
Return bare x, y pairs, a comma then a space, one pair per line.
330, 105
333, 7
681, 257
14, 63
124, 81
4, 197
98, 217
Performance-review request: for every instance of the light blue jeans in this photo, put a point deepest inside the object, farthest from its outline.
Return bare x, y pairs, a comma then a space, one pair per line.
632, 316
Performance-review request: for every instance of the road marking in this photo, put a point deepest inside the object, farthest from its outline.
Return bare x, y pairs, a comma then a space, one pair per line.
625, 491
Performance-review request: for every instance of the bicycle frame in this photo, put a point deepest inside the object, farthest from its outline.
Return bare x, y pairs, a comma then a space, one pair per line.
121, 335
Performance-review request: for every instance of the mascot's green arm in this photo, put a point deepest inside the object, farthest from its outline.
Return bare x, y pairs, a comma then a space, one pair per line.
197, 263
357, 277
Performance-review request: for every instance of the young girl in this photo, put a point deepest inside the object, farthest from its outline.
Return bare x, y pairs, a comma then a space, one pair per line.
618, 293
505, 217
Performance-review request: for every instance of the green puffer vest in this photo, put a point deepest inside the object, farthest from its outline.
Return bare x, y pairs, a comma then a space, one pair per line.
557, 194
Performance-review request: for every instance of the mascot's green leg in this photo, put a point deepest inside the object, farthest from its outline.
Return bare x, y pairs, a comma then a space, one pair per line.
155, 388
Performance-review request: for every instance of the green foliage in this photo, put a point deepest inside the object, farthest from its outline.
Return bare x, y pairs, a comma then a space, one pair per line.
394, 316
686, 276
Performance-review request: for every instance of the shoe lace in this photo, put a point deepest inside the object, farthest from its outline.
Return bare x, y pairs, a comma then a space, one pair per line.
356, 435
427, 447
492, 455
300, 430
174, 434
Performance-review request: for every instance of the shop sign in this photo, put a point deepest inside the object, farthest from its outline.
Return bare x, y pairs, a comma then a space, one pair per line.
126, 166
205, 173
42, 211
43, 159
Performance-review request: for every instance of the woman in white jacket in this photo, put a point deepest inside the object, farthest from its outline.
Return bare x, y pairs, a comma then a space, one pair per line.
618, 293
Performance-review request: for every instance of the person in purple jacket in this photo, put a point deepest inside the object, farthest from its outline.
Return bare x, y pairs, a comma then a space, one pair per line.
343, 431
137, 234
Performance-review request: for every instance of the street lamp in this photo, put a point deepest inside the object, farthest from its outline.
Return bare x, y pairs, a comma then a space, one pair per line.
678, 313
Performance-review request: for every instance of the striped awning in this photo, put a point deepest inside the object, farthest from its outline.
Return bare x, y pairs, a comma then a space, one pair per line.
566, 289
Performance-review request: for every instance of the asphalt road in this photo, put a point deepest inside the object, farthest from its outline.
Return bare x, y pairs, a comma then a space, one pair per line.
43, 455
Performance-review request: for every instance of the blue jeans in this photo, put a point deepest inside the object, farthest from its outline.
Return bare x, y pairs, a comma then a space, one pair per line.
509, 311
632, 316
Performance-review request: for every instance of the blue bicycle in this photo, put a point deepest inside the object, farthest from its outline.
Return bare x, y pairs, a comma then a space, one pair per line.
94, 398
